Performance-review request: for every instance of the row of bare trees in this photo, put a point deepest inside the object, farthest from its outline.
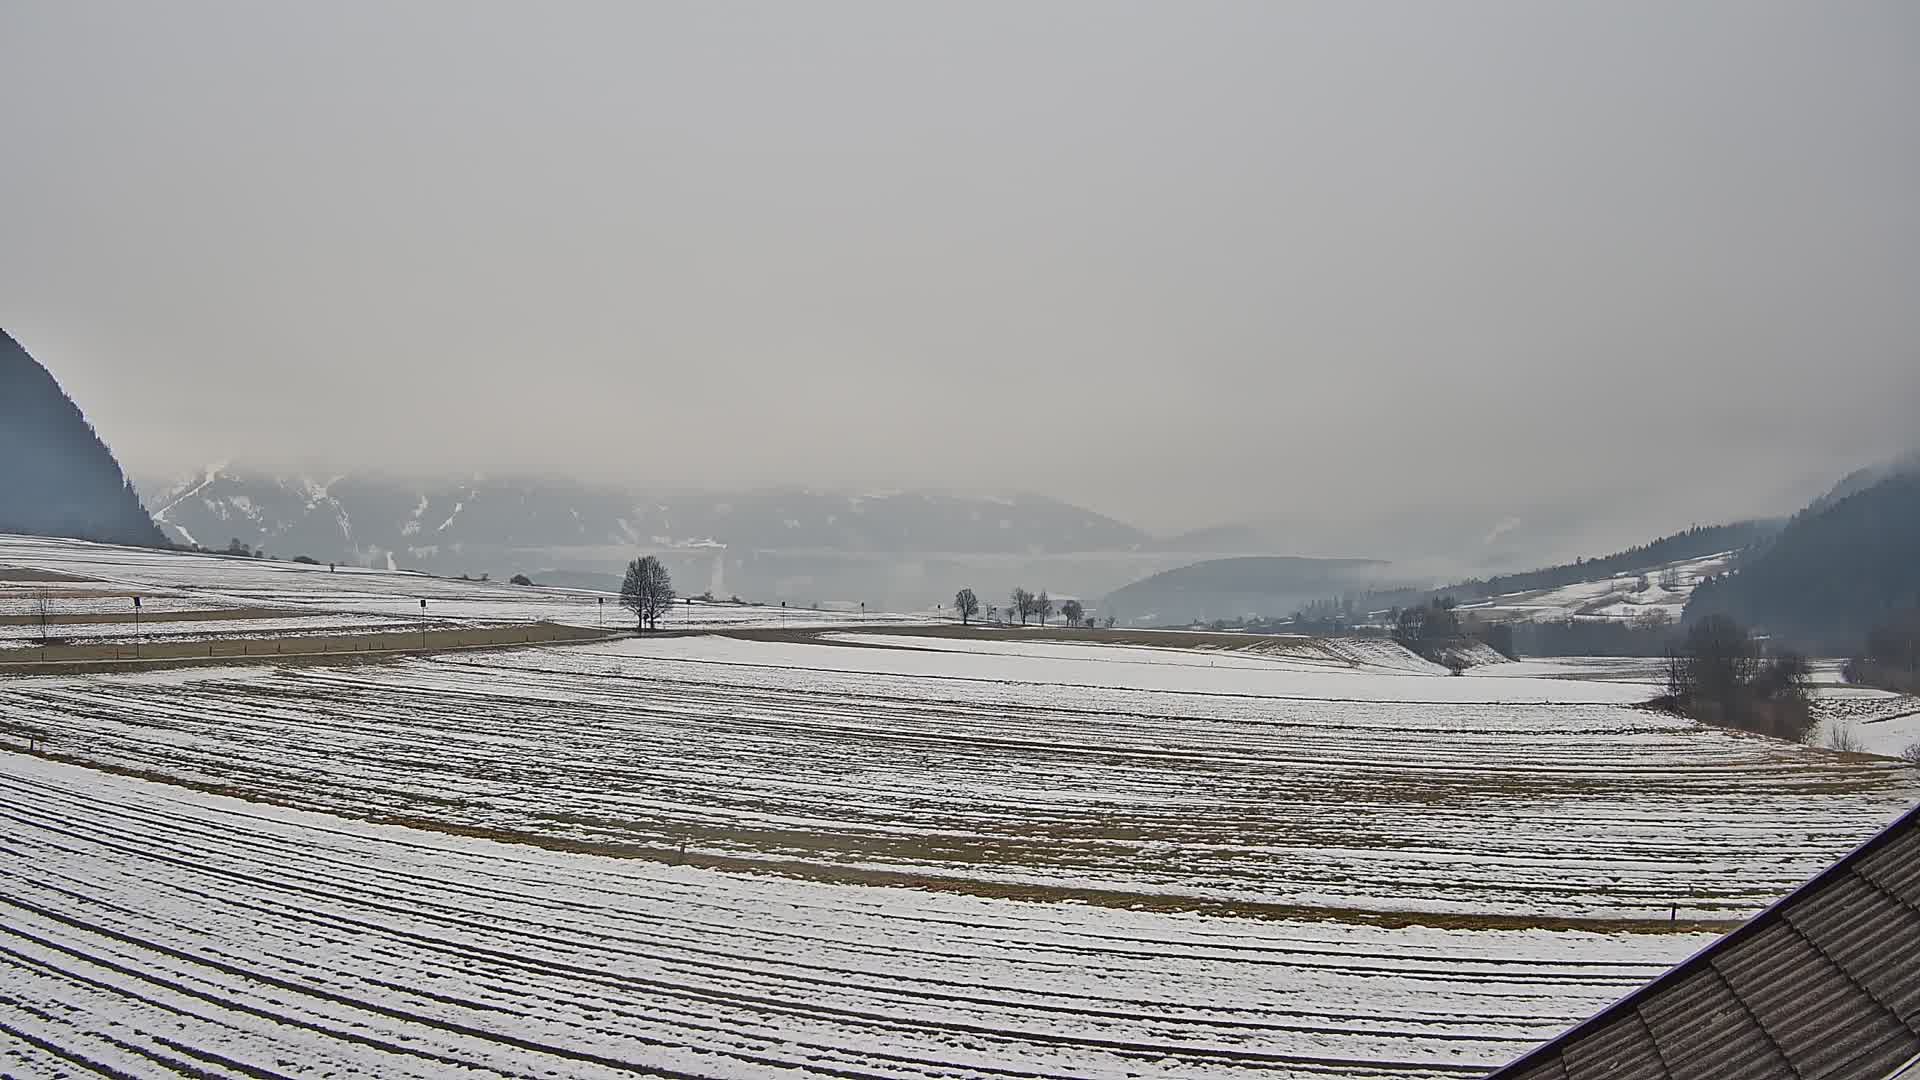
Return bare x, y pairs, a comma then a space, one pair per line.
1021, 604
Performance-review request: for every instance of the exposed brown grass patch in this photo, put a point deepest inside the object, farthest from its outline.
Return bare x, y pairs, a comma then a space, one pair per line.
1276, 644
98, 618
28, 573
335, 648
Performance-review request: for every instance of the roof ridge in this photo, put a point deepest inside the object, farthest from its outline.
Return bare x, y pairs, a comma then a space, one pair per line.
1629, 1005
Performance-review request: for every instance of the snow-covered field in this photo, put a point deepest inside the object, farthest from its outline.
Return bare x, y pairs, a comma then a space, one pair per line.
157, 931
122, 633
859, 854
1129, 777
216, 581
1872, 722
31, 600
1856, 718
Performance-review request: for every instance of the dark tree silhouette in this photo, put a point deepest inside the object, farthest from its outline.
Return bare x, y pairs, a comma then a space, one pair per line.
1020, 602
647, 591
1716, 674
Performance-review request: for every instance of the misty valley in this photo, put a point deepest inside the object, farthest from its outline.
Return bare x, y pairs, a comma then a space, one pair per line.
849, 541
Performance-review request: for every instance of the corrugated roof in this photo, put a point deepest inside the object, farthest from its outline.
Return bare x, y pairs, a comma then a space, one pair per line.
1824, 985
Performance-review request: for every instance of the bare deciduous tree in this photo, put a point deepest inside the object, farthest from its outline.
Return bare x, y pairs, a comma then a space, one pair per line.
967, 604
647, 591
1073, 612
1020, 602
1043, 606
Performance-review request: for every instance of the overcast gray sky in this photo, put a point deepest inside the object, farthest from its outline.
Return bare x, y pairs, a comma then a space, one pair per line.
1179, 262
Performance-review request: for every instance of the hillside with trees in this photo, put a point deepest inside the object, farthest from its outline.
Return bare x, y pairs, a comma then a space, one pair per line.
1226, 588
1839, 568
1339, 613
1692, 543
56, 477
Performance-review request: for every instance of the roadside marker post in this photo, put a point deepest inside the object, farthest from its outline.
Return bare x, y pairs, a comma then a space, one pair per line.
136, 626
423, 624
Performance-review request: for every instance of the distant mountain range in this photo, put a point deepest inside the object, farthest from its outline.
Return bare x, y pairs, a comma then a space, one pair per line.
57, 478
889, 548
363, 517
908, 550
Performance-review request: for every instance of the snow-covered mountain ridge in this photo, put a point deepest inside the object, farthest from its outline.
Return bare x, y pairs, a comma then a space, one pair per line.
445, 525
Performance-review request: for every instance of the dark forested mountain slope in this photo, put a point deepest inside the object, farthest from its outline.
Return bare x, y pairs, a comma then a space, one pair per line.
56, 477
1840, 566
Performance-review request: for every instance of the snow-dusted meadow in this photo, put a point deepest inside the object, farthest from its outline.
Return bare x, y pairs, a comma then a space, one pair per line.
149, 930
218, 581
122, 633
857, 854
1164, 777
1871, 722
